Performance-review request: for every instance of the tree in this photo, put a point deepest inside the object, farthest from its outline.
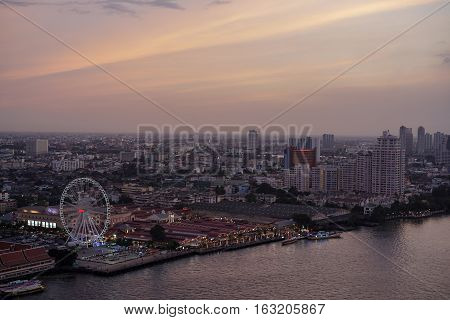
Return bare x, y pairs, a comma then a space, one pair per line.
158, 233
172, 245
250, 197
266, 188
357, 210
63, 257
220, 190
123, 242
379, 214
302, 219
125, 199
293, 191
356, 215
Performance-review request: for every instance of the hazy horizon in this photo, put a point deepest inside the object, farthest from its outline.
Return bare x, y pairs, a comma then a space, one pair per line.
224, 62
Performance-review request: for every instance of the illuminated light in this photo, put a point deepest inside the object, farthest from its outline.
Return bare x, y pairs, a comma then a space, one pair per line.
81, 211
52, 210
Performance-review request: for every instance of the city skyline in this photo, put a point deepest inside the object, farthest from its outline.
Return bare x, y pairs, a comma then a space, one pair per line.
224, 62
228, 159
242, 133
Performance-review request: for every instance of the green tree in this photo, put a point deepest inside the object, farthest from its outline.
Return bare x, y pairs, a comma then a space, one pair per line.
63, 257
220, 190
293, 191
302, 219
158, 233
379, 214
250, 197
125, 199
357, 210
172, 245
123, 242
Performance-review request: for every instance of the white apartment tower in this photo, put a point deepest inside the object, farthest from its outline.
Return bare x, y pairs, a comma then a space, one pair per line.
388, 166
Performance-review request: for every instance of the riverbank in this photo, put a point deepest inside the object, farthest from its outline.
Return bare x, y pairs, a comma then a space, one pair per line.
112, 267
126, 263
353, 267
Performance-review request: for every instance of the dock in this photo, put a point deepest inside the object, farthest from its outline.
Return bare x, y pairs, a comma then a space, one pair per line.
103, 266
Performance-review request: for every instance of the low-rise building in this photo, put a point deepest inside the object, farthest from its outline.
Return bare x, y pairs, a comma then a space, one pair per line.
40, 216
67, 165
18, 260
7, 204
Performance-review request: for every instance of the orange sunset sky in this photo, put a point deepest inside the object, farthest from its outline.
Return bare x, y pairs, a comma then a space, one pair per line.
224, 62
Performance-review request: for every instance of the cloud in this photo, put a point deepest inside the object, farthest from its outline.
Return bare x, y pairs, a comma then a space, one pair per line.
79, 11
116, 6
445, 56
25, 3
219, 2
166, 4
446, 60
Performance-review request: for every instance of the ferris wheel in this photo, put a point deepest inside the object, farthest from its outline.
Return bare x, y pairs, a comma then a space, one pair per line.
85, 211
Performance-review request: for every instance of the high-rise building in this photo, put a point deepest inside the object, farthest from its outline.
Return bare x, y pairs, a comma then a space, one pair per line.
325, 178
297, 177
347, 175
331, 178
37, 147
406, 139
420, 140
442, 151
328, 141
252, 140
428, 147
437, 140
294, 157
316, 147
305, 143
317, 179
388, 166
364, 172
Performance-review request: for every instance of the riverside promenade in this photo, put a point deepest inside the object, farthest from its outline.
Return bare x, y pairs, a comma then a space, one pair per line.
128, 261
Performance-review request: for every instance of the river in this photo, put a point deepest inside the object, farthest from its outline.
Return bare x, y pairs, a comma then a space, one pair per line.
397, 260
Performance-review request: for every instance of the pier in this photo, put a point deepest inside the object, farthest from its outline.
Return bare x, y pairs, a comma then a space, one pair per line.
414, 214
128, 261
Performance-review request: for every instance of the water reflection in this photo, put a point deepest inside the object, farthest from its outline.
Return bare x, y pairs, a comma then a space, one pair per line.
399, 260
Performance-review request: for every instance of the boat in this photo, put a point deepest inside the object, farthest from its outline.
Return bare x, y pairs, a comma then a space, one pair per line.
21, 287
322, 235
289, 241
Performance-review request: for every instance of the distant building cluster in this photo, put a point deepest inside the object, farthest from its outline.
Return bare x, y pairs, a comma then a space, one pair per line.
37, 147
325, 170
379, 171
67, 165
436, 145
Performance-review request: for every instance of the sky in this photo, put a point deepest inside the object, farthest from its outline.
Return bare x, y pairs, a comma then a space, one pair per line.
223, 62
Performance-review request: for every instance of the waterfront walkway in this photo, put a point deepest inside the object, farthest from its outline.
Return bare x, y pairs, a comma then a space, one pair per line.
131, 261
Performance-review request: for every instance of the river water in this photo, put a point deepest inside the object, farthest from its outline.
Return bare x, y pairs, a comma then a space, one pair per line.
398, 260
